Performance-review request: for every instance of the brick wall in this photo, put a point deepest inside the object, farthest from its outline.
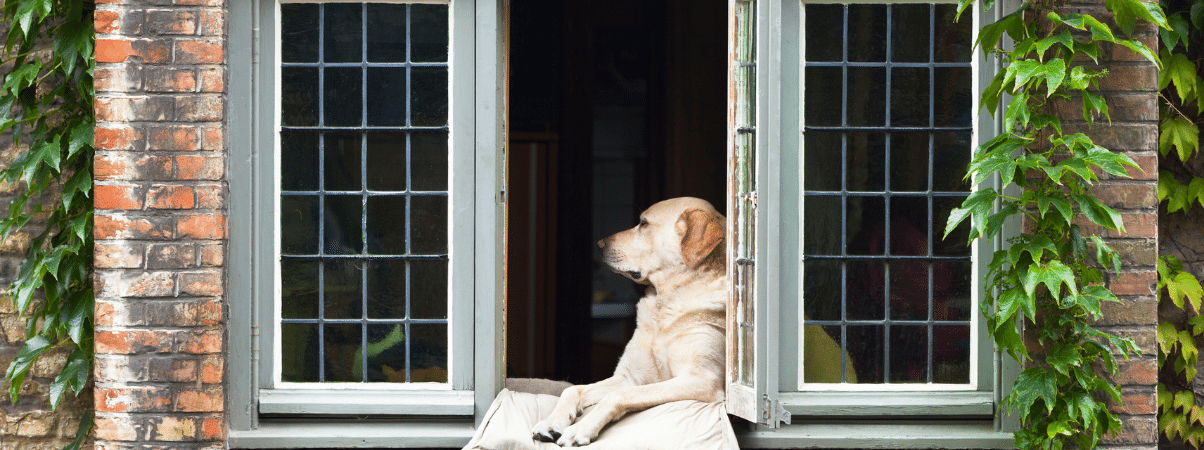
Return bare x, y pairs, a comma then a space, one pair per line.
1131, 89
160, 223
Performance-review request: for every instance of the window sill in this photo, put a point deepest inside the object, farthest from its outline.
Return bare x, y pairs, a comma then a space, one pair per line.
972, 404
364, 402
879, 435
307, 434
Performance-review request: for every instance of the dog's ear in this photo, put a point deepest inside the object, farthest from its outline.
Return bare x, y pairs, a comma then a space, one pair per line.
701, 232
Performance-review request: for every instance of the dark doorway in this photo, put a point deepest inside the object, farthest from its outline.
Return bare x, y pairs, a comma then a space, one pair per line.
613, 106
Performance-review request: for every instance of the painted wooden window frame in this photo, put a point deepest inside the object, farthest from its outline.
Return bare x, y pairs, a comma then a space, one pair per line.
971, 418
476, 212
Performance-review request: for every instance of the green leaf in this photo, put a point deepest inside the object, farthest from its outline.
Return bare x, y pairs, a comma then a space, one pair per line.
1055, 72
1197, 14
80, 182
1052, 274
1062, 357
1197, 325
1032, 384
1180, 71
1184, 285
81, 137
1111, 162
978, 205
1010, 301
988, 36
33, 348
81, 433
1168, 336
1178, 31
1099, 213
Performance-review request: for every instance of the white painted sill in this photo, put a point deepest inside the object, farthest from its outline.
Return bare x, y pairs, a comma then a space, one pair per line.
366, 402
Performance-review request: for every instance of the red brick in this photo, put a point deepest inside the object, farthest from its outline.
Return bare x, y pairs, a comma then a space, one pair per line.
116, 284
171, 256
198, 342
213, 429
213, 369
173, 138
117, 197
213, 23
213, 139
212, 255
200, 400
197, 167
200, 108
132, 399
213, 80
170, 80
1135, 283
1137, 371
203, 284
199, 52
128, 166
210, 197
116, 226
131, 341
1130, 311
170, 197
106, 21
202, 226
106, 312
113, 50
1136, 225
117, 256
169, 22
1136, 403
124, 78
1127, 195
115, 138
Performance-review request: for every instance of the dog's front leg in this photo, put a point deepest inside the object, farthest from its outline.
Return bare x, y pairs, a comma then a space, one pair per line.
572, 401
623, 400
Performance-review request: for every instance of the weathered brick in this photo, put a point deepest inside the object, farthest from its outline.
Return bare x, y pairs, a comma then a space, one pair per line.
1137, 224
171, 256
133, 399
202, 226
173, 138
173, 369
213, 80
166, 79
1137, 282
16, 243
122, 196
115, 137
170, 197
213, 255
171, 22
1119, 136
199, 167
213, 369
1136, 252
200, 108
201, 284
132, 341
106, 21
1136, 372
210, 196
214, 139
200, 400
129, 166
1135, 401
122, 255
150, 51
1126, 195
123, 78
134, 109
36, 424
213, 429
116, 427
198, 342
120, 226
213, 23
199, 51
174, 428
1130, 311
136, 284
1141, 429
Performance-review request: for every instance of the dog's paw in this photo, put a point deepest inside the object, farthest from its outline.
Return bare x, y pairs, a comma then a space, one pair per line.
545, 431
576, 436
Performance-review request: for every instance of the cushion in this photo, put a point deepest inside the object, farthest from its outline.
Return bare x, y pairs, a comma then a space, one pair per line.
684, 424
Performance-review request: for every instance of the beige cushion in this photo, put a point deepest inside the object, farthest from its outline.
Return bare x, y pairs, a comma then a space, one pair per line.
676, 425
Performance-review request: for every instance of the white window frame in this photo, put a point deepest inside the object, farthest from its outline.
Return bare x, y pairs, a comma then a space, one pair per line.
476, 223
869, 416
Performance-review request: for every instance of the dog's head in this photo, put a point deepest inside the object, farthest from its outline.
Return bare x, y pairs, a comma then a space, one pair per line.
676, 235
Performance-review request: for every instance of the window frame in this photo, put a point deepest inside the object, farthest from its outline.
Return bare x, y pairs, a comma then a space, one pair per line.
475, 215
867, 418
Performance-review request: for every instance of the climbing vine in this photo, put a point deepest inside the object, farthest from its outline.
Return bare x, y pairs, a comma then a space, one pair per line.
46, 103
1047, 286
1180, 417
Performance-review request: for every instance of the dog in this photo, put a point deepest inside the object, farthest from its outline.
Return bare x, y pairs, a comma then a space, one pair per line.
677, 351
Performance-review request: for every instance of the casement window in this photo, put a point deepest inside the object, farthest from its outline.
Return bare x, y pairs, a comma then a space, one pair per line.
363, 171
850, 128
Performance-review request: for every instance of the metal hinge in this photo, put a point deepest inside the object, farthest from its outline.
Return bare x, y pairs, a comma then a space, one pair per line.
773, 412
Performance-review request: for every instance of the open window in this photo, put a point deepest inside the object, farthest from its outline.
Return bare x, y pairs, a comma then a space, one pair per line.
850, 127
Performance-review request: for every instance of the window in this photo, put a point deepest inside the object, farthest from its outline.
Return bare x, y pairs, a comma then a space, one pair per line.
850, 128
367, 142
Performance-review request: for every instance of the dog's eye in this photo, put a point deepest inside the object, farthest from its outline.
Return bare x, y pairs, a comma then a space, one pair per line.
643, 223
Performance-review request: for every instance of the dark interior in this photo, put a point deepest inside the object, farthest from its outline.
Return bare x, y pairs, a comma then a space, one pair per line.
613, 106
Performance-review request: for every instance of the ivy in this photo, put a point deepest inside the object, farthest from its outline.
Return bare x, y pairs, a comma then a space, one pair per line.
1180, 418
46, 102
1046, 288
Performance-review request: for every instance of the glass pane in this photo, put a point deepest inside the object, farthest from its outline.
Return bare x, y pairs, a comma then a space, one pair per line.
866, 352
386, 161
953, 43
955, 244
951, 107
429, 160
821, 297
865, 288
387, 353
430, 33
343, 346
909, 37
908, 290
821, 229
298, 32
909, 97
386, 96
824, 22
428, 296
386, 225
909, 162
867, 39
299, 224
823, 96
908, 354
387, 289
299, 289
821, 161
343, 32
386, 33
866, 162
865, 225
299, 96
830, 366
342, 234
951, 354
299, 346
428, 96
951, 290
428, 227
909, 226
298, 160
343, 97
428, 353
867, 96
342, 165
950, 161
343, 294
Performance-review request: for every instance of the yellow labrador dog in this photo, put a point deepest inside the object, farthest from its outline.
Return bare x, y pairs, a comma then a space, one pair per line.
677, 351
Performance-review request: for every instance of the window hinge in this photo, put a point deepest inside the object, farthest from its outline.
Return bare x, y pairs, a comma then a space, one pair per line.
773, 412
752, 198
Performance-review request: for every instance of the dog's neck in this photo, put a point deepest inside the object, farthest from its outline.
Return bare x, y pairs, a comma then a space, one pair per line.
682, 280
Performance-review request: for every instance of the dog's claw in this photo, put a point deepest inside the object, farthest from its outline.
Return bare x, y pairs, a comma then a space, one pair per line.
546, 436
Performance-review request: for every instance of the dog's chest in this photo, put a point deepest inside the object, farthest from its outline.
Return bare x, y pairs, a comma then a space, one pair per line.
665, 327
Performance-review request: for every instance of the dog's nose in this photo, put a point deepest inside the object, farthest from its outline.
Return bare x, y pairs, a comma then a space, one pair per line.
602, 244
